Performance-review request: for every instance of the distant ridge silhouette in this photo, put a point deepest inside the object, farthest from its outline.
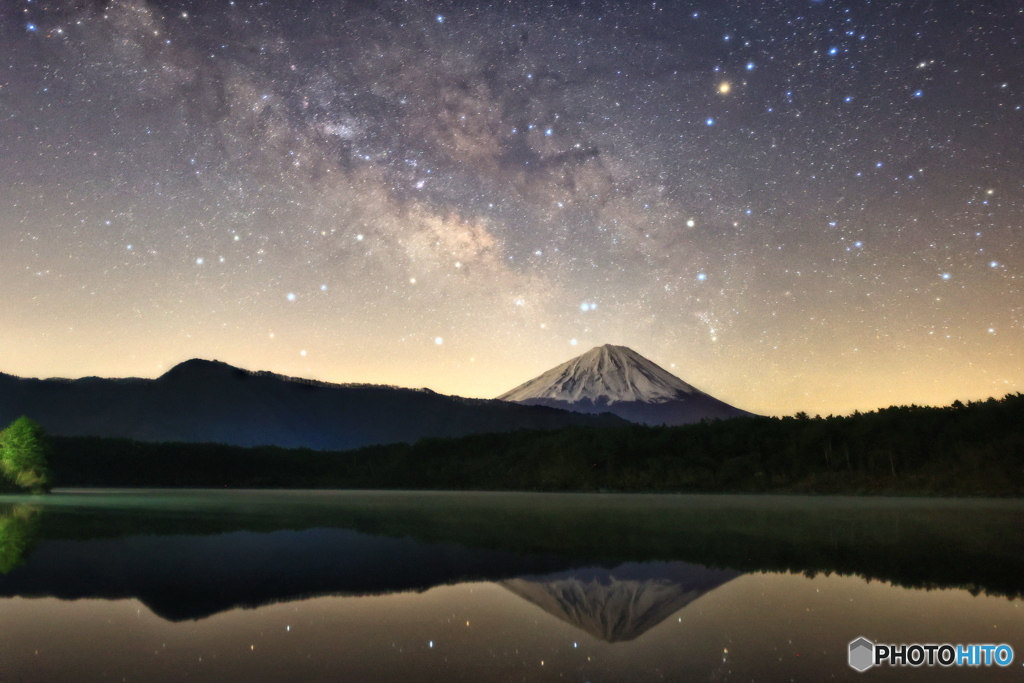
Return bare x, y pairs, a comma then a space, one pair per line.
210, 401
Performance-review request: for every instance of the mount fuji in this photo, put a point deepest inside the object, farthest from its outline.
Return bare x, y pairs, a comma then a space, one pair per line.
618, 380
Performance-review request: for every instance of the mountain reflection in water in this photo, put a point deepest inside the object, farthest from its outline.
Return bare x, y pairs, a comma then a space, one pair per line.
620, 604
193, 577
439, 587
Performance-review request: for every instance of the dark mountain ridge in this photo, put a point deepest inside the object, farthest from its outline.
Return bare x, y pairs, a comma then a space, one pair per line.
211, 401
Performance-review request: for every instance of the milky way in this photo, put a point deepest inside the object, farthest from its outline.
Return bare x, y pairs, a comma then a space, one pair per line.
791, 205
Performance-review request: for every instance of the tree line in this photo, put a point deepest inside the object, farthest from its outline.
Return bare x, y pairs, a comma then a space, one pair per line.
963, 449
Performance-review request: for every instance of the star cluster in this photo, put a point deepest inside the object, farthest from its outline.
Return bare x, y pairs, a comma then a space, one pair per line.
792, 205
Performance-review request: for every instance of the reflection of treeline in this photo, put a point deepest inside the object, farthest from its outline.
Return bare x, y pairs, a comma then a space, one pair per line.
18, 531
925, 543
973, 449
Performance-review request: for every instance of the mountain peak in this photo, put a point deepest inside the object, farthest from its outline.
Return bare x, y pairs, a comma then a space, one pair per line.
196, 367
604, 375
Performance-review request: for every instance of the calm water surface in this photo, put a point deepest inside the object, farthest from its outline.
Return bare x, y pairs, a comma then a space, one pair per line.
370, 586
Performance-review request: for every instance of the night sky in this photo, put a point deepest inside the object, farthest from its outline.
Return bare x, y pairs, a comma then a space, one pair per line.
791, 205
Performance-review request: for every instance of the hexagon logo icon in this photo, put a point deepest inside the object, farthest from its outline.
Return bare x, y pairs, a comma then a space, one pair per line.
862, 654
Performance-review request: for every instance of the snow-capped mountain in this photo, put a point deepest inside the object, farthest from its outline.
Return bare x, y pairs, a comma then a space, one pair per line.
604, 374
618, 380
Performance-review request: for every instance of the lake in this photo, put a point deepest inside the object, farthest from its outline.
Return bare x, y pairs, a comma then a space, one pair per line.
417, 586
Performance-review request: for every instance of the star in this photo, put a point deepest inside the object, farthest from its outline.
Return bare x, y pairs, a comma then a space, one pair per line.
492, 175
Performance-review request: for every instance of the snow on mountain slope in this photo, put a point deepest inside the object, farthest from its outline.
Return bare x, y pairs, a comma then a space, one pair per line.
604, 375
618, 380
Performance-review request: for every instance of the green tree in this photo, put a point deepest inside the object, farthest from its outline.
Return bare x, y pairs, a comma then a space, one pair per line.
24, 448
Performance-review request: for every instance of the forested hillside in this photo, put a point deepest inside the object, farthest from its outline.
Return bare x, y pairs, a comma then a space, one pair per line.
972, 449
